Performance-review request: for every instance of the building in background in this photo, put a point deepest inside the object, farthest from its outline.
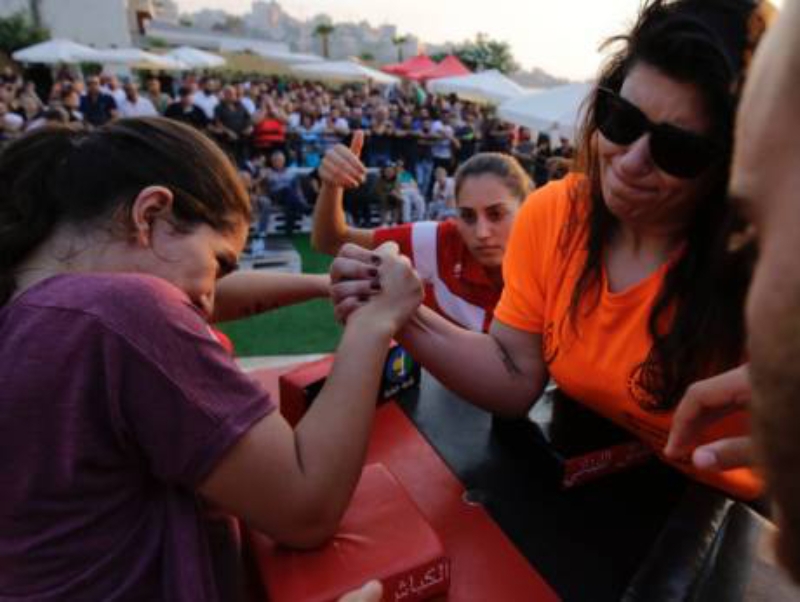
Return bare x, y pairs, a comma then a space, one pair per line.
166, 11
102, 23
125, 23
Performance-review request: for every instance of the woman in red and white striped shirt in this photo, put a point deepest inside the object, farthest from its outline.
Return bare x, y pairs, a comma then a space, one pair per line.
460, 260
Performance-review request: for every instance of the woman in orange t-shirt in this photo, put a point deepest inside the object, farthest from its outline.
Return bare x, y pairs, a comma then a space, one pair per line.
618, 283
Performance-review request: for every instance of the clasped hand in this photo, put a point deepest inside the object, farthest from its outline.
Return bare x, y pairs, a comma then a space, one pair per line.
380, 286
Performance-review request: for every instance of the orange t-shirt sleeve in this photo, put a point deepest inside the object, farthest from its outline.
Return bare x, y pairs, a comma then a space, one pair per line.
529, 258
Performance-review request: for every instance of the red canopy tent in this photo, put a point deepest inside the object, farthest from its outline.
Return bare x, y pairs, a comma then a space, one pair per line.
420, 62
450, 66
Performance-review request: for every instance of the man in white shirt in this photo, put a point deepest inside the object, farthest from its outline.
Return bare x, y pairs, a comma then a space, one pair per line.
134, 105
110, 85
243, 91
206, 98
442, 150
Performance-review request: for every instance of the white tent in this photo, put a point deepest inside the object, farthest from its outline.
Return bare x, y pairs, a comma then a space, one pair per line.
54, 52
289, 58
137, 58
486, 86
342, 72
194, 58
552, 109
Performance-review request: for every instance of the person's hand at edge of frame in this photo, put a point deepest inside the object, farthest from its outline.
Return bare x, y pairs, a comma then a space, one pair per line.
371, 591
705, 403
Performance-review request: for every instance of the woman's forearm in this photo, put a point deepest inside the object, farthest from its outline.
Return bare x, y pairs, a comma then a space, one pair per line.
245, 294
330, 230
501, 372
331, 438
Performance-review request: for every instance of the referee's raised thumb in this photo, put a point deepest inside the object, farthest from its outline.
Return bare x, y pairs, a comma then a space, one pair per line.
357, 143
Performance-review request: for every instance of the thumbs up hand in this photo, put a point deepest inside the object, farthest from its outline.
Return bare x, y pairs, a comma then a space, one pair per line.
342, 167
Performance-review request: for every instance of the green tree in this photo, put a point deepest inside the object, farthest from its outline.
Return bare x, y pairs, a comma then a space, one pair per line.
323, 31
399, 41
155, 42
367, 57
484, 53
17, 31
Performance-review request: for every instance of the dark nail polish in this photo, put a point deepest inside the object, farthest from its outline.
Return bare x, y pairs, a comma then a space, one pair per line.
375, 285
375, 259
363, 298
373, 272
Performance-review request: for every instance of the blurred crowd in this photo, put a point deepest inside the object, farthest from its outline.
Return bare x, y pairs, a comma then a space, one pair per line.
277, 132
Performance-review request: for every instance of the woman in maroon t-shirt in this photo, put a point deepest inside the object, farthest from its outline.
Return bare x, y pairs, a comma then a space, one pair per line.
119, 407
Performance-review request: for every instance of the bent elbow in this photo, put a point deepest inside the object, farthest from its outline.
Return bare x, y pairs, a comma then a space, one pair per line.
516, 404
307, 534
515, 410
311, 523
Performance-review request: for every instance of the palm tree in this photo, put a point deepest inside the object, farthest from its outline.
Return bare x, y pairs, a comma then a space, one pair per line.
399, 41
324, 31
36, 12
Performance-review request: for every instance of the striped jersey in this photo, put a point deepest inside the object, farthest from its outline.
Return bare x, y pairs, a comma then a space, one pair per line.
456, 284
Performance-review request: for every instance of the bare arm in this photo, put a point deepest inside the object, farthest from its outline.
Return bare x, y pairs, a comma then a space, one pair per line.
294, 485
501, 371
330, 229
767, 182
341, 167
244, 294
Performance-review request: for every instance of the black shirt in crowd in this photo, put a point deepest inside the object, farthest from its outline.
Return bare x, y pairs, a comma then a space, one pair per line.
98, 110
193, 115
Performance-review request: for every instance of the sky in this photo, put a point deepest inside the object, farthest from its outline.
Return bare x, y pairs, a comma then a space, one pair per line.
560, 36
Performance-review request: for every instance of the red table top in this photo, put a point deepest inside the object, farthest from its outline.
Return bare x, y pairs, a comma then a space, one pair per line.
485, 563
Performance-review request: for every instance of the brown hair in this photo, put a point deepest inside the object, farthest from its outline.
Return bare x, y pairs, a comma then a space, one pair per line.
505, 167
58, 174
702, 42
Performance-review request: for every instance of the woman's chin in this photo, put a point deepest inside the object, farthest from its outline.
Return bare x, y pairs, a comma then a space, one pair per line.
491, 260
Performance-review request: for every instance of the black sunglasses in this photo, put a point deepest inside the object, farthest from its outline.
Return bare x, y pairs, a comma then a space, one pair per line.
675, 151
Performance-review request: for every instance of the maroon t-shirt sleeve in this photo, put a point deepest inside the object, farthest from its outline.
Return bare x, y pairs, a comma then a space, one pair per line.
177, 396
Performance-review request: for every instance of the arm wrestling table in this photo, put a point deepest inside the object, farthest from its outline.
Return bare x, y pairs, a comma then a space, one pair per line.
644, 535
586, 542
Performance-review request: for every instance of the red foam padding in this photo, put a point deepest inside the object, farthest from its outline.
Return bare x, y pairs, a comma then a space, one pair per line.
293, 398
485, 565
269, 379
383, 535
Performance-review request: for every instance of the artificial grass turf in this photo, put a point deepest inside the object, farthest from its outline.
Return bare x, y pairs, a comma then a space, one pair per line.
304, 328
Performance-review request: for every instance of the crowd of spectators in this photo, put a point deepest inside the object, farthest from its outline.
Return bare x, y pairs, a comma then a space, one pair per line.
277, 132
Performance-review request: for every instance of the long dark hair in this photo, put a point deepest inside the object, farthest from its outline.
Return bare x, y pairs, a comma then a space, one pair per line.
58, 174
697, 323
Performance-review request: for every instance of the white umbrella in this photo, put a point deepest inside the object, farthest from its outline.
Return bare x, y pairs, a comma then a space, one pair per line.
342, 71
552, 109
55, 51
487, 87
137, 59
289, 58
194, 58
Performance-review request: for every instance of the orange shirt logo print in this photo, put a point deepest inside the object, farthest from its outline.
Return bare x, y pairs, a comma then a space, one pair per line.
549, 343
637, 390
